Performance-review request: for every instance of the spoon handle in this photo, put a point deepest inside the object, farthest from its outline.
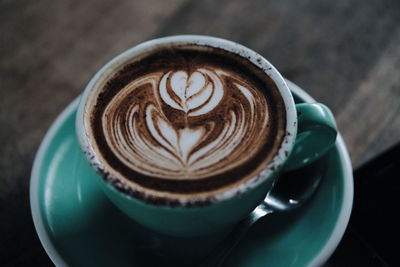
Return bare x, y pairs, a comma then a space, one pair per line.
231, 241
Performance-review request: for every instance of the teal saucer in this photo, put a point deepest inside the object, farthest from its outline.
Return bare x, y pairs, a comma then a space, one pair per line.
78, 226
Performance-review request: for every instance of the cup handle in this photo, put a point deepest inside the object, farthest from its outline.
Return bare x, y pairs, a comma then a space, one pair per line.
316, 133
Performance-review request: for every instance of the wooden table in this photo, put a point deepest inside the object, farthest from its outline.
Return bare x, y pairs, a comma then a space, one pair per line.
344, 53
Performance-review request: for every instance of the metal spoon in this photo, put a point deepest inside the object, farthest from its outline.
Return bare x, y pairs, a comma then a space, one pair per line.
291, 191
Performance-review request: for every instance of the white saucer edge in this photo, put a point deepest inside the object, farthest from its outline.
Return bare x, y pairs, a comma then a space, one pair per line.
347, 203
319, 260
34, 186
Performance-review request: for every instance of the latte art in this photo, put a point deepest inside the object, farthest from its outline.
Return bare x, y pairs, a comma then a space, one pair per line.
185, 125
185, 122
196, 94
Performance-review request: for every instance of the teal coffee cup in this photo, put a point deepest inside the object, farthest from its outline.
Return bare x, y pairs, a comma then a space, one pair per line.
182, 202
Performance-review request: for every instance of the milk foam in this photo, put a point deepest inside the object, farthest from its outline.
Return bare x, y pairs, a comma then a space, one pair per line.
186, 124
196, 94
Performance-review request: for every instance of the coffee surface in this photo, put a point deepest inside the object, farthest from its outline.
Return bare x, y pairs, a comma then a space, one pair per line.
187, 120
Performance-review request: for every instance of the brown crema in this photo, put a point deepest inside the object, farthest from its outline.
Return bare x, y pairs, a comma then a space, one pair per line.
186, 120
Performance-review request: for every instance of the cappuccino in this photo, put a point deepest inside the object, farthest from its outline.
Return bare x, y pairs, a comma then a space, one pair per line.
184, 121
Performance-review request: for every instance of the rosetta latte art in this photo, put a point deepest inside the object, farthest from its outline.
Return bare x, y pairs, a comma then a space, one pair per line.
185, 124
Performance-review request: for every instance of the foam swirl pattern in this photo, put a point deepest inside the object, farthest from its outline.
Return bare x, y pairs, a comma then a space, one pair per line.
185, 125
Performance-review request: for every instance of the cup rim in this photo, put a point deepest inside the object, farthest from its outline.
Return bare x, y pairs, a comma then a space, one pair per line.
114, 64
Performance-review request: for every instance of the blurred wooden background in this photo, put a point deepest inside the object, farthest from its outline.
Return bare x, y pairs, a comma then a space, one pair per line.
345, 53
